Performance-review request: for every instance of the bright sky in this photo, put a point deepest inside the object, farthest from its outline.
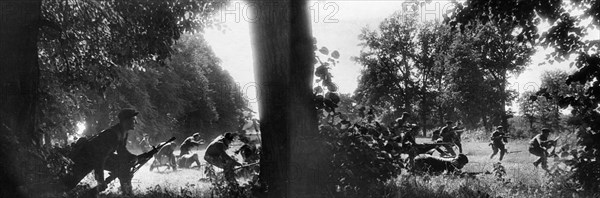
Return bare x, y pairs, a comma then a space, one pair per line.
336, 25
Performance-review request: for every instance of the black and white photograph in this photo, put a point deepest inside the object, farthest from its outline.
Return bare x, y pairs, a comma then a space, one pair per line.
299, 98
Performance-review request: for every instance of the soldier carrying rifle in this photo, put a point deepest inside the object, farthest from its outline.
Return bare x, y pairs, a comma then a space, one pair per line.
498, 141
93, 154
538, 146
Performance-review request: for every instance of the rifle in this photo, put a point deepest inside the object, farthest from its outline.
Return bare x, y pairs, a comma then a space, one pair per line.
473, 174
134, 164
247, 165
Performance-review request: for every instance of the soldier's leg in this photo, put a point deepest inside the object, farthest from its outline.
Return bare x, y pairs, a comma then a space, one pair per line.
544, 160
197, 160
78, 172
126, 187
229, 171
173, 161
536, 152
495, 151
502, 152
459, 144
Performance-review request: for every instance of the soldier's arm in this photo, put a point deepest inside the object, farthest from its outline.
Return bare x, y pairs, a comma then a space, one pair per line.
226, 156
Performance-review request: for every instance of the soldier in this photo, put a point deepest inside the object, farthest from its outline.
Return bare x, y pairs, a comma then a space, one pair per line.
400, 124
436, 165
145, 143
458, 130
93, 154
538, 146
165, 156
498, 139
447, 135
190, 142
216, 154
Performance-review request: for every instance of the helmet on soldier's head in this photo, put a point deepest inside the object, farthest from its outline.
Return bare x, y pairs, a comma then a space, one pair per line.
499, 127
545, 130
127, 113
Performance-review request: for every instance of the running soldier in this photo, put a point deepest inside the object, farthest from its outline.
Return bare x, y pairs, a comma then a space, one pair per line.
498, 139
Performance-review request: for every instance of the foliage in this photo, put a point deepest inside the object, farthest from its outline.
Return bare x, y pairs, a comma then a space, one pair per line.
566, 36
222, 187
98, 57
543, 107
363, 159
438, 74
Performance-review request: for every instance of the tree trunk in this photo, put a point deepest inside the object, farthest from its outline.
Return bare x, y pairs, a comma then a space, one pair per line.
292, 158
19, 67
19, 79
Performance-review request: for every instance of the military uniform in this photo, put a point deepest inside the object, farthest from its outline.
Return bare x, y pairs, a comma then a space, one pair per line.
498, 139
447, 135
216, 155
93, 154
538, 146
188, 144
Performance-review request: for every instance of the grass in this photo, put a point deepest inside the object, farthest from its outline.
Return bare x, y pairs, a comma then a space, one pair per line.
522, 179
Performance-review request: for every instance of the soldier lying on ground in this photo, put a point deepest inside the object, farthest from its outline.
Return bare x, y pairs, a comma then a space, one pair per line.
436, 165
188, 160
93, 153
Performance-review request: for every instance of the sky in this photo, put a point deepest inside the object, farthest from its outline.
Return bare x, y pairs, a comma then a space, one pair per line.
336, 25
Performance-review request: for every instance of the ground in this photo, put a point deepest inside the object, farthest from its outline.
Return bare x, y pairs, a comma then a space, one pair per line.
518, 164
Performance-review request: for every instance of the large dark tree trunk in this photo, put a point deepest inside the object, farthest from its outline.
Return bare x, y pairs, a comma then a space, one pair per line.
292, 158
19, 78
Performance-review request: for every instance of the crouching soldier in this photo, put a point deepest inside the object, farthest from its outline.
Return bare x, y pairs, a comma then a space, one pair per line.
216, 154
93, 154
165, 156
437, 165
190, 143
538, 146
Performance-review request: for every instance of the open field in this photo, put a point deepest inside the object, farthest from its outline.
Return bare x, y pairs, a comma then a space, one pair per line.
522, 179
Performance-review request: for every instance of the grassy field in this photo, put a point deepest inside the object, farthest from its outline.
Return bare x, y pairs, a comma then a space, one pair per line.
522, 179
